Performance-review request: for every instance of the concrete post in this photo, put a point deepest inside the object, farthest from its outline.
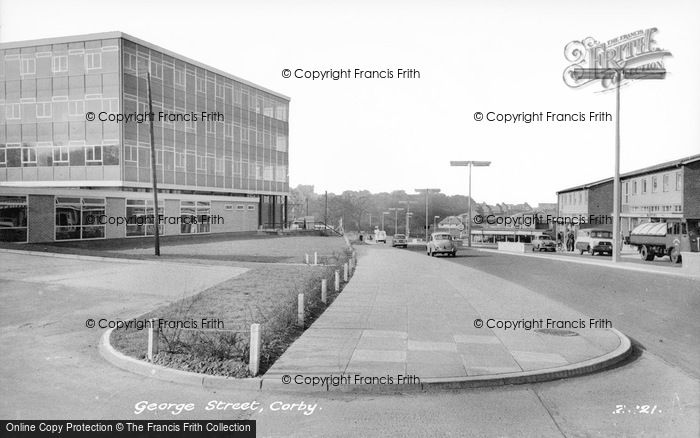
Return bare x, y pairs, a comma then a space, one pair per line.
307, 258
254, 362
345, 272
300, 310
315, 258
153, 335
324, 291
337, 281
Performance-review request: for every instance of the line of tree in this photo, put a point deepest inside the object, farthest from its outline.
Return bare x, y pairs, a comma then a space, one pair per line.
356, 207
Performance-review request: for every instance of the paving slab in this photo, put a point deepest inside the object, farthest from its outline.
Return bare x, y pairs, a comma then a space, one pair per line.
422, 321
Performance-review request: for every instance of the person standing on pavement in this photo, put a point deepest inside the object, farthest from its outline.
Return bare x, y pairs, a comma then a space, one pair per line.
570, 242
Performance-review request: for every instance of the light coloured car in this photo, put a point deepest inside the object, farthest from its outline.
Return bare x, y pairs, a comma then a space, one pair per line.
399, 240
543, 243
441, 243
594, 240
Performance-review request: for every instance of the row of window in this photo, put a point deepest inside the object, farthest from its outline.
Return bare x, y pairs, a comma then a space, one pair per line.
56, 63
205, 163
59, 108
85, 218
669, 208
574, 198
205, 84
48, 154
670, 182
16, 155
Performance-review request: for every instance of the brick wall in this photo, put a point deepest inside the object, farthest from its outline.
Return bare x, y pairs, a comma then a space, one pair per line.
691, 190
41, 218
600, 199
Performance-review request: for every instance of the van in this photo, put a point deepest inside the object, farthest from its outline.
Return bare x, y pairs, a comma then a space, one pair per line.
594, 240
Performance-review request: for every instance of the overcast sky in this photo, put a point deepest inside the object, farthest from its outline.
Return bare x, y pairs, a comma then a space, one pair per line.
400, 134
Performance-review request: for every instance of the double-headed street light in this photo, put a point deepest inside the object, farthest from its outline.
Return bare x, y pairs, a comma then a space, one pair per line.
617, 75
427, 192
470, 164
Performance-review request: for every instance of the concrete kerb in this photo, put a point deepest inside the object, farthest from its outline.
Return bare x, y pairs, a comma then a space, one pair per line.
622, 352
160, 372
274, 383
206, 381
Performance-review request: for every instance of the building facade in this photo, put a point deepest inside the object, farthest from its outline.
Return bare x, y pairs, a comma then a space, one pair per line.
75, 138
666, 192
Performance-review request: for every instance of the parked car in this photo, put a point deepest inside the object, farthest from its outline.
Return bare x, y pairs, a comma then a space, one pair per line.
543, 243
399, 240
441, 243
594, 240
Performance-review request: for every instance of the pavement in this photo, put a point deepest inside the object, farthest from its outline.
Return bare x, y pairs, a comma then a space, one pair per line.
628, 261
414, 320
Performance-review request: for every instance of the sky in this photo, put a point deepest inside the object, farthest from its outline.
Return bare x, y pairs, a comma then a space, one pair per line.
400, 134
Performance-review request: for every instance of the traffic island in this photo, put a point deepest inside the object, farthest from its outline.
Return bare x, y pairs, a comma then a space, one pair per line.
413, 323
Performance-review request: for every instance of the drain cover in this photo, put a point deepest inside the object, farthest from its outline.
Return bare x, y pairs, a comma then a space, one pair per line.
556, 332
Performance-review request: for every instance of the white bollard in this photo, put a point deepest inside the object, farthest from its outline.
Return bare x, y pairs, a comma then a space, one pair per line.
324, 291
307, 258
254, 362
337, 281
153, 333
315, 258
345, 272
300, 310
352, 265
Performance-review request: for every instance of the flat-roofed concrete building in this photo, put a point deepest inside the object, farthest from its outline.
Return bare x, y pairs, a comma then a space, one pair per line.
75, 142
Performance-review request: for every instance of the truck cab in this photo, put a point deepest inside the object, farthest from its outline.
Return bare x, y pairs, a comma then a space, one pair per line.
658, 239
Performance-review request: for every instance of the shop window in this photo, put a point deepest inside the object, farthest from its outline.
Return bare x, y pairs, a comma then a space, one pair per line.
195, 217
79, 218
13, 218
140, 220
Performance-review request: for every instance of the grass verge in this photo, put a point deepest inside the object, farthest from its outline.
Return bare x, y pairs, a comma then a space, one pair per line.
266, 295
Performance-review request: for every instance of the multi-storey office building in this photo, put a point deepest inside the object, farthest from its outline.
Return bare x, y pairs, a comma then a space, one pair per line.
75, 142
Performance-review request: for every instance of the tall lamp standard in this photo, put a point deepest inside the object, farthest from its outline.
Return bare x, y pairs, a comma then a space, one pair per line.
408, 214
617, 75
470, 164
435, 218
396, 218
383, 213
427, 193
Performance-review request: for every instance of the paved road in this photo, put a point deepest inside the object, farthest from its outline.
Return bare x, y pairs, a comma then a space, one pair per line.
51, 369
660, 312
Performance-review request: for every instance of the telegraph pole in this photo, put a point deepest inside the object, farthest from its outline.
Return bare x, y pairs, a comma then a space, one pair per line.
153, 169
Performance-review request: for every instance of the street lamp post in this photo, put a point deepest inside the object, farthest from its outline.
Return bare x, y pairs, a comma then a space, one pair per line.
396, 218
427, 193
408, 214
617, 75
470, 164
383, 213
435, 218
